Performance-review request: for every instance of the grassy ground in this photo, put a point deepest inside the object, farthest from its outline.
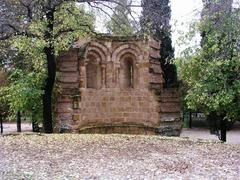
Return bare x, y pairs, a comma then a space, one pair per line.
75, 156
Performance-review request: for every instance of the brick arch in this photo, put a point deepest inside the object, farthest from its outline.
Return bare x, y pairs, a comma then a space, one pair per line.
120, 51
97, 55
93, 55
99, 51
128, 55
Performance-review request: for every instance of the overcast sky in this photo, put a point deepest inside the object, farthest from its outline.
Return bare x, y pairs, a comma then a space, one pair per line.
183, 13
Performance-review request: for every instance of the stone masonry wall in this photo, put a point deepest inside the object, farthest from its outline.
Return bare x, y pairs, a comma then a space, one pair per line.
126, 95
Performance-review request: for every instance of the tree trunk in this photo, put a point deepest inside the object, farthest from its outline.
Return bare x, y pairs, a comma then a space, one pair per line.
213, 123
190, 119
51, 67
1, 122
223, 126
19, 121
47, 96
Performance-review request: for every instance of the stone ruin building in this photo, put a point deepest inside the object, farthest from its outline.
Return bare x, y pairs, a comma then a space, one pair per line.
115, 85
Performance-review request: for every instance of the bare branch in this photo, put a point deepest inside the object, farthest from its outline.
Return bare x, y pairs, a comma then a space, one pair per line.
129, 11
62, 31
29, 9
5, 37
106, 13
17, 31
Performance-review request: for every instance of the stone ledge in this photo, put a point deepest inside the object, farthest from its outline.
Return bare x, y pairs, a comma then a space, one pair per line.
169, 130
121, 128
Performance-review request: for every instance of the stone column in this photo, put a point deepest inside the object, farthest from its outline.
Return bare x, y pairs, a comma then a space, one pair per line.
117, 75
103, 69
84, 75
136, 75
82, 72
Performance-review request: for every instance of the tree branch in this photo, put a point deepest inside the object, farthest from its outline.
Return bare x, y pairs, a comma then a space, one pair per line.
106, 13
59, 33
16, 31
126, 7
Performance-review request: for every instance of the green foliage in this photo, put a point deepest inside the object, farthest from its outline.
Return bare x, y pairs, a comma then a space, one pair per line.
3, 82
25, 88
120, 24
71, 22
23, 93
212, 73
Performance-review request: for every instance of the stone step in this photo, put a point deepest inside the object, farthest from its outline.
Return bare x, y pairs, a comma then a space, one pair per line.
169, 108
173, 93
170, 99
68, 85
170, 117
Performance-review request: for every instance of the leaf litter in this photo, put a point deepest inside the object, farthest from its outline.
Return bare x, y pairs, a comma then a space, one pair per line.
93, 156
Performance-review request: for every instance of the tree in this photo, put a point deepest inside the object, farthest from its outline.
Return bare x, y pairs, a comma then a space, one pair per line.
23, 93
212, 72
3, 82
120, 23
40, 30
156, 16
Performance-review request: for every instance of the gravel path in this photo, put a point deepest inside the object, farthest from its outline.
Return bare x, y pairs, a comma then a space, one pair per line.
12, 127
74, 156
233, 136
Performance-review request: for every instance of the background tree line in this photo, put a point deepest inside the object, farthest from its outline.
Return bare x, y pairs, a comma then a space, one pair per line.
211, 72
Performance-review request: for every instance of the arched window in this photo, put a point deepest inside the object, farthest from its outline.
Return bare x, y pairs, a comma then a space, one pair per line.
91, 70
127, 76
93, 73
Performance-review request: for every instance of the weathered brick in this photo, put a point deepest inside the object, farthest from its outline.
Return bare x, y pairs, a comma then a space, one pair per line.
119, 96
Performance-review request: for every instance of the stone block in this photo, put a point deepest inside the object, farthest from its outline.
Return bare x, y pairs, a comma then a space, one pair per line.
69, 66
169, 108
69, 85
68, 79
154, 44
76, 117
155, 69
154, 54
170, 99
169, 130
170, 117
156, 78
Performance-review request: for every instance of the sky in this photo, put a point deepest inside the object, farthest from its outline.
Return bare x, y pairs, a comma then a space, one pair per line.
183, 12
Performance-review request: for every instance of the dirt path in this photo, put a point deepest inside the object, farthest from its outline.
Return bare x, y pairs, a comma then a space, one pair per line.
233, 136
74, 156
12, 127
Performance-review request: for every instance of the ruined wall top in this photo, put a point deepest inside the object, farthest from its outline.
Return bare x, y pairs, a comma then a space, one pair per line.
116, 38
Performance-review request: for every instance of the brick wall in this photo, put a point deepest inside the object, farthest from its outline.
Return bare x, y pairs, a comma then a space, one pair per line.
123, 93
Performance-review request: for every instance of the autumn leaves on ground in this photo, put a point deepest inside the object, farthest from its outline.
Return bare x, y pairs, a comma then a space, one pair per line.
74, 156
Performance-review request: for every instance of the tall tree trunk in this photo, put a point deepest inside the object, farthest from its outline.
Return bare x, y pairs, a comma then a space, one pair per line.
1, 123
190, 119
223, 128
19, 121
212, 120
47, 96
51, 67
